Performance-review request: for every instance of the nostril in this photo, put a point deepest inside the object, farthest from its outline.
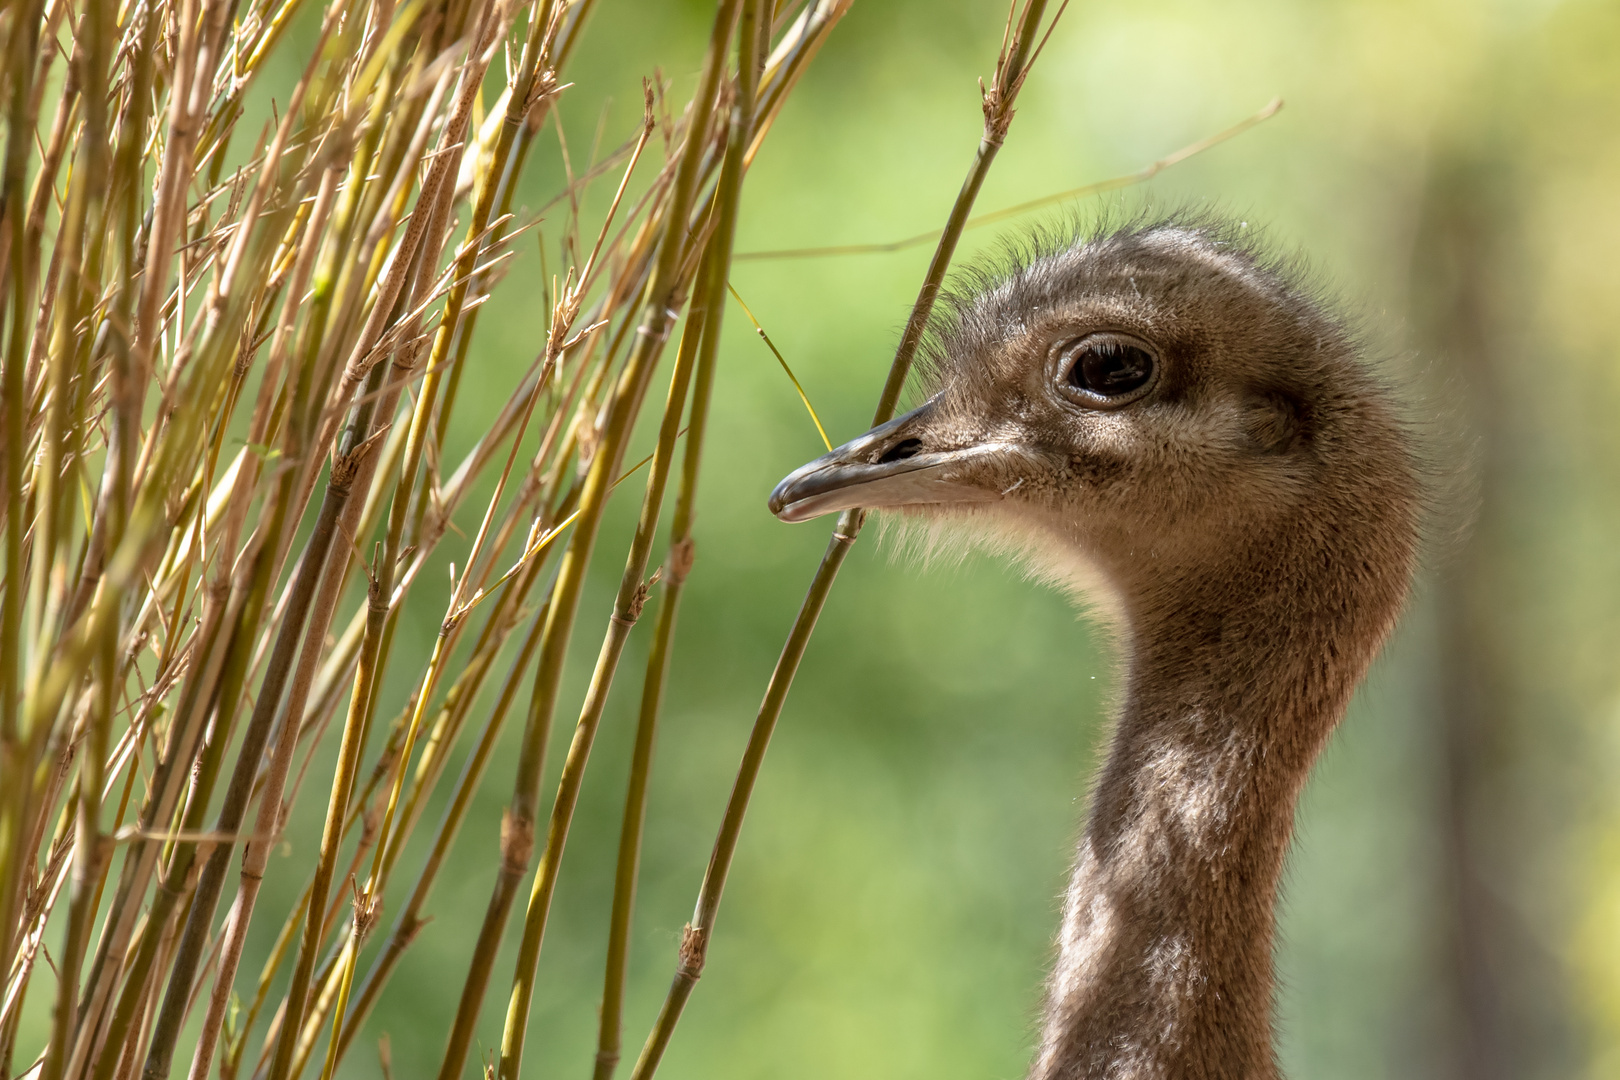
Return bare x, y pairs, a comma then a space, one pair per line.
901, 450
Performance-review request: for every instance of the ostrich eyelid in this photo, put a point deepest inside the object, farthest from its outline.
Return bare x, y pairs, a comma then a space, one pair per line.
1066, 353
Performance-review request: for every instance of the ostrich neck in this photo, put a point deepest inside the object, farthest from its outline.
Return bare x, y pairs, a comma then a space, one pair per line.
1164, 967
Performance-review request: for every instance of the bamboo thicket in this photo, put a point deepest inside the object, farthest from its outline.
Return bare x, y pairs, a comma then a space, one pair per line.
230, 361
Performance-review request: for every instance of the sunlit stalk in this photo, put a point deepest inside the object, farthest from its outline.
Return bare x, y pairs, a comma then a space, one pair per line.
753, 34
171, 1013
15, 275
666, 281
419, 236
1011, 68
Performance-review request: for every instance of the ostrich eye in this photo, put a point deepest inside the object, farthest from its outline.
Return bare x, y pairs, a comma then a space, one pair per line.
1105, 370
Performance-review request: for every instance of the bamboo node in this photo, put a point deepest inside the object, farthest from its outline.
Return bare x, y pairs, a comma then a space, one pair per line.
385, 764
517, 843
367, 910
670, 315
355, 372
682, 553
344, 467
638, 602
406, 359
998, 100
371, 819
408, 931
588, 436
219, 588
546, 87
998, 114
694, 949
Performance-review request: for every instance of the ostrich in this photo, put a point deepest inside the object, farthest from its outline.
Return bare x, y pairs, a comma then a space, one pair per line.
1162, 419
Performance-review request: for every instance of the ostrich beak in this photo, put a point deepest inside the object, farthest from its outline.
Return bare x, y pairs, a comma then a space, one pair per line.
889, 466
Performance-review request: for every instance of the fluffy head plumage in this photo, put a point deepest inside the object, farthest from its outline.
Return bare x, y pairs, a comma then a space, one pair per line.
1260, 413
1164, 407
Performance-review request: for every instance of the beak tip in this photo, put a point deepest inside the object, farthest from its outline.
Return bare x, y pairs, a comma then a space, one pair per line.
778, 501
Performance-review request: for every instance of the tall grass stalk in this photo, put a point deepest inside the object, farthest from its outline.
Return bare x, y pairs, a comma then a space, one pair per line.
1019, 48
229, 362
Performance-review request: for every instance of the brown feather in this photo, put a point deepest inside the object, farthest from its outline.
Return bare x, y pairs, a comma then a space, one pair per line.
1253, 517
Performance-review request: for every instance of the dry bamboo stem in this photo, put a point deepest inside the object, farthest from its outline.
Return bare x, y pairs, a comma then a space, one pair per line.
1011, 68
753, 38
191, 294
663, 288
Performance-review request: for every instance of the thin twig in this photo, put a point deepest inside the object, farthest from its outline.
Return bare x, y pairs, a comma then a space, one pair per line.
1112, 184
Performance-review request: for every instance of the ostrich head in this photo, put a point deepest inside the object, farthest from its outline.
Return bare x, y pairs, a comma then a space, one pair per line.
1164, 409
1152, 403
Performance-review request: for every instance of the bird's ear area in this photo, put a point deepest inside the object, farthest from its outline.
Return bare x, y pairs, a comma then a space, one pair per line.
1277, 420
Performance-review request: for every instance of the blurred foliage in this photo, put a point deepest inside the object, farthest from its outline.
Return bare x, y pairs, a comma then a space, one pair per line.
897, 887
898, 884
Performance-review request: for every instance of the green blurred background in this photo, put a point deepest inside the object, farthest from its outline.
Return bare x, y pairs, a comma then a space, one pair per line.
1452, 906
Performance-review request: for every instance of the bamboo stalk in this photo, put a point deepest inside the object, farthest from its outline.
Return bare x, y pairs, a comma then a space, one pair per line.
1011, 68
163, 297
439, 184
171, 1013
90, 850
232, 664
663, 288
753, 37
409, 921
626, 611
21, 57
353, 456
316, 562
